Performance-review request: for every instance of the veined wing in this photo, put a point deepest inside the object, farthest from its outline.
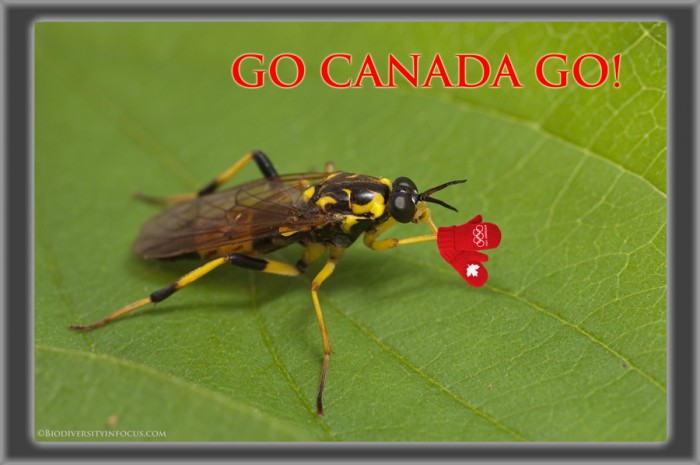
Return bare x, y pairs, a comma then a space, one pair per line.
259, 210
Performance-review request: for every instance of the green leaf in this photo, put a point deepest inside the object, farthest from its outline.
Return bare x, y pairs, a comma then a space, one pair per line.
566, 341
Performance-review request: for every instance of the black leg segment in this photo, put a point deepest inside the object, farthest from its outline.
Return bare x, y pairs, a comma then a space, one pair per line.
266, 167
264, 164
211, 187
244, 261
164, 293
301, 265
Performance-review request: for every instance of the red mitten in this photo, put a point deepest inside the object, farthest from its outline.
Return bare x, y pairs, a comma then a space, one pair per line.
469, 266
472, 235
475, 274
458, 245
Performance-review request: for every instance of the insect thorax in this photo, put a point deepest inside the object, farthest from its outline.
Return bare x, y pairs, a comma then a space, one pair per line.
357, 202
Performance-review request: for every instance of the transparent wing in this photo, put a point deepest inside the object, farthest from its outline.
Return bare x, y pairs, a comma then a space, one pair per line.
260, 210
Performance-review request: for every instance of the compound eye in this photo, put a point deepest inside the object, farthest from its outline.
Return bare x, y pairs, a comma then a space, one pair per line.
401, 207
404, 184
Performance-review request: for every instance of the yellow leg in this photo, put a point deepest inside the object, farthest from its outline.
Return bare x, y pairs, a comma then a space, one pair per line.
330, 167
370, 238
312, 253
260, 158
423, 216
244, 261
429, 220
325, 272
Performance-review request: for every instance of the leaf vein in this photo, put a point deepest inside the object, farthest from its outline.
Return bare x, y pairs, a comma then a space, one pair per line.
537, 127
426, 376
581, 331
267, 340
211, 395
562, 320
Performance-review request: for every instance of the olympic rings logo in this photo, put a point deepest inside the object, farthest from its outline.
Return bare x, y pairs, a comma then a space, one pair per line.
479, 235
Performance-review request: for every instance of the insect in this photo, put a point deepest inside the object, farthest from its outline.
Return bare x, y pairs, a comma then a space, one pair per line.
324, 212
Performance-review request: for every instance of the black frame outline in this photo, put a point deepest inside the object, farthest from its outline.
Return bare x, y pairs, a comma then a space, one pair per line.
682, 19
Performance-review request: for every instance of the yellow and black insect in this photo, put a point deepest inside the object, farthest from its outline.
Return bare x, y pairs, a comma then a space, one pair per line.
321, 211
